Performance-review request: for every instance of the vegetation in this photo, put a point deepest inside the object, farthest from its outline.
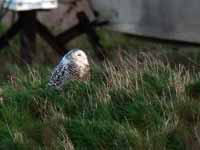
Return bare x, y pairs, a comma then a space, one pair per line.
146, 97
142, 103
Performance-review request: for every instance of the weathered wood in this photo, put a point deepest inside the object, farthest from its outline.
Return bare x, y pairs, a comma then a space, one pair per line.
87, 27
28, 30
27, 5
4, 40
91, 34
69, 34
28, 25
77, 30
51, 39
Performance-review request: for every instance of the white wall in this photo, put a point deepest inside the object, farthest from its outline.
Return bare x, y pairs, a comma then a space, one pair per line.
169, 19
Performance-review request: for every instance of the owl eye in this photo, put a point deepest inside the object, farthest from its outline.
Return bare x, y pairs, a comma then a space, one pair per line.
79, 54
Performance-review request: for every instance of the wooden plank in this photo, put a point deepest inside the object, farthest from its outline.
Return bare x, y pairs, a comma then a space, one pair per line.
4, 39
51, 39
28, 28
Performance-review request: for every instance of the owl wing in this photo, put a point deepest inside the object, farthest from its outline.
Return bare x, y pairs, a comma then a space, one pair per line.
58, 76
64, 72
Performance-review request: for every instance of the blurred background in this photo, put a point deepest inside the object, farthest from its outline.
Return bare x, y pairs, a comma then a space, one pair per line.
170, 28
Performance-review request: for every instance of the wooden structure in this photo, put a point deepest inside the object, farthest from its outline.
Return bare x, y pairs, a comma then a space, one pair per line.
28, 25
26, 5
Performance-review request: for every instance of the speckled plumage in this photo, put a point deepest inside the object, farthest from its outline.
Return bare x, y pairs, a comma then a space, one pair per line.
73, 66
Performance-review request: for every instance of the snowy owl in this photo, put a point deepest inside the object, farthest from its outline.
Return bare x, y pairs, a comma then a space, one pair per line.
73, 66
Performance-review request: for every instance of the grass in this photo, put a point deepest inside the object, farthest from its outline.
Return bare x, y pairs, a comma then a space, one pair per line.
140, 104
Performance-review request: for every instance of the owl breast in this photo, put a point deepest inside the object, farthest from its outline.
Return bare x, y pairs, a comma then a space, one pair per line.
78, 72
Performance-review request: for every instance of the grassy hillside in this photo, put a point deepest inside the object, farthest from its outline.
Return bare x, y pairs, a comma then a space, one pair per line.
136, 102
142, 103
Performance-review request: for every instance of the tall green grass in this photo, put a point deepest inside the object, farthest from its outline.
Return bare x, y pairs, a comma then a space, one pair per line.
140, 103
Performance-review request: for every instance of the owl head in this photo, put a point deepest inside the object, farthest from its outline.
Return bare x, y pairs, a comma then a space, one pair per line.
76, 55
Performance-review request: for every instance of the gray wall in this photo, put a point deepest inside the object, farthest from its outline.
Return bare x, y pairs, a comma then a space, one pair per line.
168, 19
